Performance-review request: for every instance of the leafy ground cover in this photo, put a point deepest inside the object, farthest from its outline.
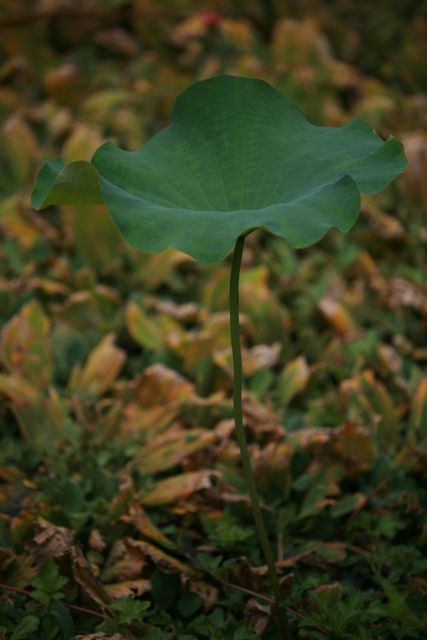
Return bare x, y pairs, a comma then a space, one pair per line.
124, 511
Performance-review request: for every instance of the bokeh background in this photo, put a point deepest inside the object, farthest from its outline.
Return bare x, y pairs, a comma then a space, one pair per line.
115, 367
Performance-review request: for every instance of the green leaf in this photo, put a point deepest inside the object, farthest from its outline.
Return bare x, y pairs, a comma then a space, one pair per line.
62, 616
238, 156
26, 626
76, 183
129, 610
48, 584
188, 604
165, 588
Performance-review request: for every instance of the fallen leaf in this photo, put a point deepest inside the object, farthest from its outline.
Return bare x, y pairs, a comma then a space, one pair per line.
171, 448
415, 144
122, 565
16, 222
101, 369
261, 419
143, 329
19, 147
84, 576
63, 83
162, 559
159, 385
336, 316
355, 446
404, 293
261, 356
188, 312
258, 615
56, 542
383, 225
139, 519
136, 420
156, 269
419, 410
330, 594
96, 541
84, 222
309, 437
128, 588
292, 381
372, 404
42, 418
207, 592
25, 347
178, 487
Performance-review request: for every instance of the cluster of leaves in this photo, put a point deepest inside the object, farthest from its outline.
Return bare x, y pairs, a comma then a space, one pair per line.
124, 511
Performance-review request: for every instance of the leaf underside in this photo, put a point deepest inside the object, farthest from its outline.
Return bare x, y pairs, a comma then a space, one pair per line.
238, 156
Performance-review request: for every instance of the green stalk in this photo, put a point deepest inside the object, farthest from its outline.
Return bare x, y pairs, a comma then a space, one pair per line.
241, 439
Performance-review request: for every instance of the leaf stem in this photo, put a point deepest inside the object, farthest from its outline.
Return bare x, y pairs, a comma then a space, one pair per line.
280, 612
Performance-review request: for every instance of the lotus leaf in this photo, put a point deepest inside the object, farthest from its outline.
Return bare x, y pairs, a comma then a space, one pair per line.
237, 156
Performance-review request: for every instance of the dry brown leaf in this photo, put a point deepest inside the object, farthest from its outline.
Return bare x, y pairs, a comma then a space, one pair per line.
419, 409
258, 615
261, 419
192, 347
383, 225
274, 458
56, 542
83, 574
165, 561
122, 565
101, 369
47, 286
389, 358
137, 421
309, 437
374, 276
261, 356
336, 315
19, 569
171, 448
207, 592
188, 312
179, 487
128, 588
16, 222
355, 445
96, 541
137, 517
51, 541
414, 178
404, 293
153, 269
63, 83
159, 386
24, 345
118, 40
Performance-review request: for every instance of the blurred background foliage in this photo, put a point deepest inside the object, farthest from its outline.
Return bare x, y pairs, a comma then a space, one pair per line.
115, 371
